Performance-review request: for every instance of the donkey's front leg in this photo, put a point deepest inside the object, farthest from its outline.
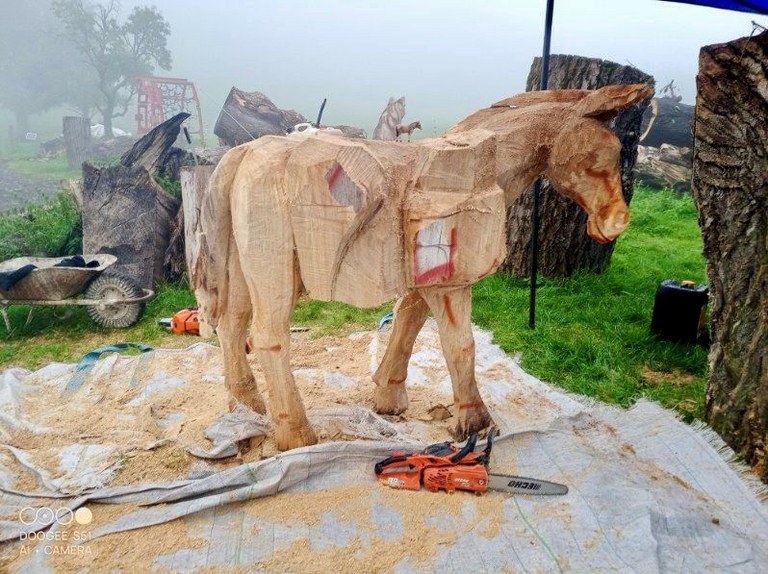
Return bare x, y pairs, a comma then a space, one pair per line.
410, 313
452, 307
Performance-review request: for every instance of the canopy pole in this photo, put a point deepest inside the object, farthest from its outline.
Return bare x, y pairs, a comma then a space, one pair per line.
537, 183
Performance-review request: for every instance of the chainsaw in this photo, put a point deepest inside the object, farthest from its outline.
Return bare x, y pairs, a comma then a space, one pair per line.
444, 466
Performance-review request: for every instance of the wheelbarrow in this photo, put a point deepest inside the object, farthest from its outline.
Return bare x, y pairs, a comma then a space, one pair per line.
111, 300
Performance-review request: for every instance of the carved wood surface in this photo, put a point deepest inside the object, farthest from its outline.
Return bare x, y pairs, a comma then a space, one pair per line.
564, 247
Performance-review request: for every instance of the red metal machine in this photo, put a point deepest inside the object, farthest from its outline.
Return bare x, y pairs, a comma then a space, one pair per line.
160, 98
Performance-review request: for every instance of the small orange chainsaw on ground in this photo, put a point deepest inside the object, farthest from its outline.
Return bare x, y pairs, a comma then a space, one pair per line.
185, 321
444, 466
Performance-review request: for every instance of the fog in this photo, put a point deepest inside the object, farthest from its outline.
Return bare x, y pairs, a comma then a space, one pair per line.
447, 57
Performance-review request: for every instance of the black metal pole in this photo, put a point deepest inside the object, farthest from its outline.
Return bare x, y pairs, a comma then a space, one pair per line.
537, 183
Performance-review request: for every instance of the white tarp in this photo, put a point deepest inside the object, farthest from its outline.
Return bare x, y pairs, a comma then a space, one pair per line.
647, 492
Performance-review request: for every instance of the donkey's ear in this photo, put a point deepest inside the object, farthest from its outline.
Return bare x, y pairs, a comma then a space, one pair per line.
606, 103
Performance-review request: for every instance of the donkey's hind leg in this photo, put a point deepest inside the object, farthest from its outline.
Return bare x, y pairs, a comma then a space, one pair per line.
273, 297
232, 330
410, 313
452, 308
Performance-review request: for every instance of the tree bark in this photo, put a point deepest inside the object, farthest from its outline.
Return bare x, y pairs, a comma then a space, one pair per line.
77, 140
731, 193
564, 246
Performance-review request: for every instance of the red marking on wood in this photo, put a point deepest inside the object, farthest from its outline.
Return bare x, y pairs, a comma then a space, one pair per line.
604, 176
441, 272
333, 177
273, 348
478, 405
449, 310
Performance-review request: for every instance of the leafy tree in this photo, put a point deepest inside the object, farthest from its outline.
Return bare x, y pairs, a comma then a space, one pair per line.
34, 61
115, 52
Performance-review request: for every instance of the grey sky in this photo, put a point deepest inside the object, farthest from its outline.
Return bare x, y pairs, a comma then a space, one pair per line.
447, 57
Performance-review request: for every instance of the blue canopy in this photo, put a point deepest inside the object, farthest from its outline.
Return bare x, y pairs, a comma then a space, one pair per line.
755, 6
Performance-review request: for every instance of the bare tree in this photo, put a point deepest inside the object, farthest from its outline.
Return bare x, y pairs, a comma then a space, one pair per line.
117, 52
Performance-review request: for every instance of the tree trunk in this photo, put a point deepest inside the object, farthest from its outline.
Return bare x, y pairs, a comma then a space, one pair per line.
564, 246
22, 124
109, 111
730, 191
77, 140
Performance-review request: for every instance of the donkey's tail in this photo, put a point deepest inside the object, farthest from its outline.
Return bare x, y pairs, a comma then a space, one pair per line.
210, 276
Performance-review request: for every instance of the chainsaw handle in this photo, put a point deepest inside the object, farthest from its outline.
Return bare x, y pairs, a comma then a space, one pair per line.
379, 468
466, 449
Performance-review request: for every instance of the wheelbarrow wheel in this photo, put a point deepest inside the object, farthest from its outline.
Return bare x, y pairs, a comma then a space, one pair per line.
109, 286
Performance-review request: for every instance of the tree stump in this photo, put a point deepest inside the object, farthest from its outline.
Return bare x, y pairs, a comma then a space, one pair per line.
564, 246
730, 162
127, 214
77, 140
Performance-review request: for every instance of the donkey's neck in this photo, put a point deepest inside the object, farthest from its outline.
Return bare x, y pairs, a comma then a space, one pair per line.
524, 139
523, 152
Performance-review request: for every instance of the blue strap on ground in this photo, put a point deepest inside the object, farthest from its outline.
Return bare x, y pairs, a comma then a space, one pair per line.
86, 364
388, 318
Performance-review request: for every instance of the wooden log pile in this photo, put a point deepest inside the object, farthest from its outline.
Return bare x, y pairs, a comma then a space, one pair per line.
666, 167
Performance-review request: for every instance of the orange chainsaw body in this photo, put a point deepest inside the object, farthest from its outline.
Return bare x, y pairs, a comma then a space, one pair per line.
186, 321
443, 471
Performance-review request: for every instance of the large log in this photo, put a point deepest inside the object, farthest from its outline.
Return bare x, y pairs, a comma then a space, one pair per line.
247, 116
672, 123
77, 140
564, 246
730, 162
127, 214
668, 167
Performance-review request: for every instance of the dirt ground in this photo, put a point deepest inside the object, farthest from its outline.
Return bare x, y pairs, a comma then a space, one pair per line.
16, 190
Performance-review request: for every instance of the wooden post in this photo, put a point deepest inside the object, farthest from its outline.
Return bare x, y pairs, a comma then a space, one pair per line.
193, 183
77, 140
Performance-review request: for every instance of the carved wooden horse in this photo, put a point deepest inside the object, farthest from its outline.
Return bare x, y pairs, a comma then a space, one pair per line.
400, 130
253, 260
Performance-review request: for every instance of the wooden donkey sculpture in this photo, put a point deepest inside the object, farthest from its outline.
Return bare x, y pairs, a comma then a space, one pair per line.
365, 221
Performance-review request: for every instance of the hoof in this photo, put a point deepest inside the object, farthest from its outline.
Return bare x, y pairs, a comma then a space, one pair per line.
288, 438
472, 420
390, 399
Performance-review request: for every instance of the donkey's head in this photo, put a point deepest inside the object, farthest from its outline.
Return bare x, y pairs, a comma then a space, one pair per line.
584, 159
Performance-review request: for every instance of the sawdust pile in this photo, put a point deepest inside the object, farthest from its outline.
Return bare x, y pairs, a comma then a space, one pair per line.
171, 398
416, 534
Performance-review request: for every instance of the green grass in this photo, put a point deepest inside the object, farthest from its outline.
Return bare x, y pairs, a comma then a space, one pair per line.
592, 335
23, 158
48, 230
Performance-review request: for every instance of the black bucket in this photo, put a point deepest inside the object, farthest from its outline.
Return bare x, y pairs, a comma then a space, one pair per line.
679, 311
